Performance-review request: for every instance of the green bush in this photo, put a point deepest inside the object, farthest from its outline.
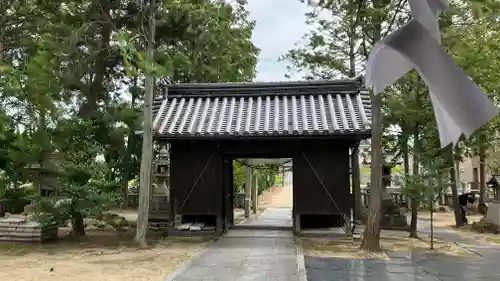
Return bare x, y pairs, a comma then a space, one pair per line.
279, 180
238, 177
267, 176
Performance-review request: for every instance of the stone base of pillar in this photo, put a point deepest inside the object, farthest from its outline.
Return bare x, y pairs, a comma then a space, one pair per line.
391, 216
296, 226
493, 213
247, 207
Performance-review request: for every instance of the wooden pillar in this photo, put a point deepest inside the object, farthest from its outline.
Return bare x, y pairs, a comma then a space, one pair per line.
283, 176
356, 183
255, 193
248, 188
296, 225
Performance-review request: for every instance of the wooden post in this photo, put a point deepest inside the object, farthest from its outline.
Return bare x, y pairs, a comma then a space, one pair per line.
248, 187
356, 184
254, 192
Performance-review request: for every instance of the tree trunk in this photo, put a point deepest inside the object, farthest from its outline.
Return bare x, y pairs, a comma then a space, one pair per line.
147, 142
456, 162
77, 225
454, 189
1, 45
127, 169
127, 165
248, 187
406, 158
2, 19
371, 235
415, 202
96, 89
482, 173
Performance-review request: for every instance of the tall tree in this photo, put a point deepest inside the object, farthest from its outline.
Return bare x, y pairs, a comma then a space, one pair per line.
54, 76
147, 129
337, 47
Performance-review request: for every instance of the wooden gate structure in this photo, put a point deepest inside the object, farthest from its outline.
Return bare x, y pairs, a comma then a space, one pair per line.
317, 123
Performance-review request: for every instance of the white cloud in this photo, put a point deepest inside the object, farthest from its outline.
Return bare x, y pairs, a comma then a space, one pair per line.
279, 25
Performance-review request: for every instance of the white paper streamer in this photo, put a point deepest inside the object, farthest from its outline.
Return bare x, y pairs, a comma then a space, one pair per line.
459, 105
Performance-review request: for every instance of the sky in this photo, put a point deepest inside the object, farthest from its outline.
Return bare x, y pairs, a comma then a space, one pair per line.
280, 24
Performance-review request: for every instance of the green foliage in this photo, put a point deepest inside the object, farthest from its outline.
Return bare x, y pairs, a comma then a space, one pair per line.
338, 45
429, 185
278, 180
266, 176
74, 70
84, 190
238, 177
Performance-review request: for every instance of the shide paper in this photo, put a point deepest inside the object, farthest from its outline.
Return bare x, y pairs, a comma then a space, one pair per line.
459, 105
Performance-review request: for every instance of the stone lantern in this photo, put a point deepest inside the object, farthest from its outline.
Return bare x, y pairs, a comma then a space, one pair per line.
392, 218
162, 173
160, 197
386, 174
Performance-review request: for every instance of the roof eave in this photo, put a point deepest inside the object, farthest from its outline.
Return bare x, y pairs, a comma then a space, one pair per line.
356, 135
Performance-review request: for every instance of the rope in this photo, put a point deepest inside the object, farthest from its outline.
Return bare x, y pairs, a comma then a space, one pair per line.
199, 178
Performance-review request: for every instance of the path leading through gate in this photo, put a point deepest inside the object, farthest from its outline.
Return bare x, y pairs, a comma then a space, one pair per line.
247, 255
252, 254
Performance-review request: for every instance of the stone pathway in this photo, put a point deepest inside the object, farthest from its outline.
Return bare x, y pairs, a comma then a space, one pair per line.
271, 217
245, 255
251, 254
416, 267
278, 212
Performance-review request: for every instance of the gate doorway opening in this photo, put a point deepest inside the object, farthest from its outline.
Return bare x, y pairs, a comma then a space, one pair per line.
262, 193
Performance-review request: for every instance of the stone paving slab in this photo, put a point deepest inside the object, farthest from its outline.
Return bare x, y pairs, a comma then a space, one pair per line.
271, 217
425, 267
246, 255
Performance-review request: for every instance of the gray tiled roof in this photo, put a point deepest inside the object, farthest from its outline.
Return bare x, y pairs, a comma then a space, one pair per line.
263, 109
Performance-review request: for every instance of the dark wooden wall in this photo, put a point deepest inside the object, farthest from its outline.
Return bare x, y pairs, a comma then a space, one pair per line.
188, 160
329, 158
320, 165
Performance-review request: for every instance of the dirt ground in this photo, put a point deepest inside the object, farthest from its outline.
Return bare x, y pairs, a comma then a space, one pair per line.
447, 220
106, 255
349, 249
278, 197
